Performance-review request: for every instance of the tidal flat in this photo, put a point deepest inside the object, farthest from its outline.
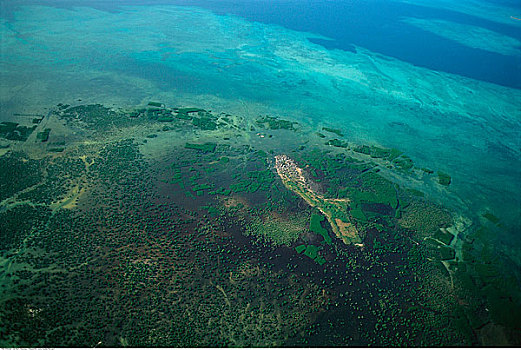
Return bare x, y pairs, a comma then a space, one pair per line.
156, 225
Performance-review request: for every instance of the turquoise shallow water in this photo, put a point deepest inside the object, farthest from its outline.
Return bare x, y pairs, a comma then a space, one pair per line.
456, 120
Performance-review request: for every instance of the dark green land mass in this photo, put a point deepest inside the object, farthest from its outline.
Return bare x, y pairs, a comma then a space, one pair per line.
177, 226
13, 131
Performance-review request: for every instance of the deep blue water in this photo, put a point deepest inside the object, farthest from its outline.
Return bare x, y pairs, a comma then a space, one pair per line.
376, 25
373, 24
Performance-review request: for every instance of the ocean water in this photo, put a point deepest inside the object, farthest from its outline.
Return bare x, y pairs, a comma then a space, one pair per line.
449, 100
379, 26
438, 80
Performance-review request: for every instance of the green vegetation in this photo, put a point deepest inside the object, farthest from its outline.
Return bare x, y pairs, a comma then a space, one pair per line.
210, 248
188, 110
312, 252
274, 123
222, 191
13, 131
376, 190
205, 148
337, 143
425, 218
165, 119
276, 230
373, 151
60, 178
444, 236
96, 117
403, 163
17, 174
204, 123
334, 131
357, 213
443, 178
17, 224
315, 225
300, 248
43, 136
184, 116
415, 192
447, 253
504, 311
202, 187
384, 153
244, 186
254, 181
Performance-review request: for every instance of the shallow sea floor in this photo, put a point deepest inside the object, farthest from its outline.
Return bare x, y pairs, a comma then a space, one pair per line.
144, 201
